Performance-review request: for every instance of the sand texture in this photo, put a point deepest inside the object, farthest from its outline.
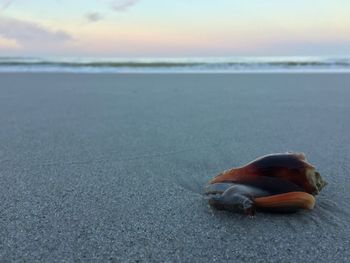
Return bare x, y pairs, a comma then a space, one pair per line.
107, 167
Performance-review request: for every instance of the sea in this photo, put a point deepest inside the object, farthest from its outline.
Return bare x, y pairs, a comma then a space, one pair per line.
177, 65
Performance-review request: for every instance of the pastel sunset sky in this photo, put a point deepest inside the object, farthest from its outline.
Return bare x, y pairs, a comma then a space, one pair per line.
174, 28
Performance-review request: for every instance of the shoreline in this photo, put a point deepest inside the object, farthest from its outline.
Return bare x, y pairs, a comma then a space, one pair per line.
187, 73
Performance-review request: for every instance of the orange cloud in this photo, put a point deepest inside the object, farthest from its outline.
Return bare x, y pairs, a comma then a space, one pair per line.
8, 44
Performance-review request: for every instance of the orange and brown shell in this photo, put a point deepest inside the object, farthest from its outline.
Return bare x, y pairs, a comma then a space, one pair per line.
290, 168
284, 180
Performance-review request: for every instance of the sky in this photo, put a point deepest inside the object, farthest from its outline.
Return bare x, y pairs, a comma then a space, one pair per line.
174, 28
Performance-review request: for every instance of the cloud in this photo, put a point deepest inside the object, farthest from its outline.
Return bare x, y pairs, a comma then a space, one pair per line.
122, 5
93, 17
29, 34
4, 4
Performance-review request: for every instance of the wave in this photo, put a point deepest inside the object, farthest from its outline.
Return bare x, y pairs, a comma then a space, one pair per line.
18, 64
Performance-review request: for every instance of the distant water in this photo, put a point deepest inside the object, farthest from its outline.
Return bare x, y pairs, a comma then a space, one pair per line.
176, 65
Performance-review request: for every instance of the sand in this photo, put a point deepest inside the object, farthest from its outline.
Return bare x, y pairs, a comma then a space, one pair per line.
108, 167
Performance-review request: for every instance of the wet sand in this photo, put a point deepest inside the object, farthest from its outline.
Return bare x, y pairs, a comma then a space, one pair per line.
108, 167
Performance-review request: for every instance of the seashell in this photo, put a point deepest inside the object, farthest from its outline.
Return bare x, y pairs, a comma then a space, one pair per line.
282, 182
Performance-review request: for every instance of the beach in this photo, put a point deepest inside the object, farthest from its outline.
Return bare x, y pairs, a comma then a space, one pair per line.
108, 167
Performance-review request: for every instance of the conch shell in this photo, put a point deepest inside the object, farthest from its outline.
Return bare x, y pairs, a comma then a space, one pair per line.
276, 182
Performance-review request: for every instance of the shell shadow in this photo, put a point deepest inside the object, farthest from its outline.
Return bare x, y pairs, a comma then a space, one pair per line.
192, 184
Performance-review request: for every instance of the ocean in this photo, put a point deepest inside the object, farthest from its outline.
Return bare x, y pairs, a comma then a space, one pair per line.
177, 65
